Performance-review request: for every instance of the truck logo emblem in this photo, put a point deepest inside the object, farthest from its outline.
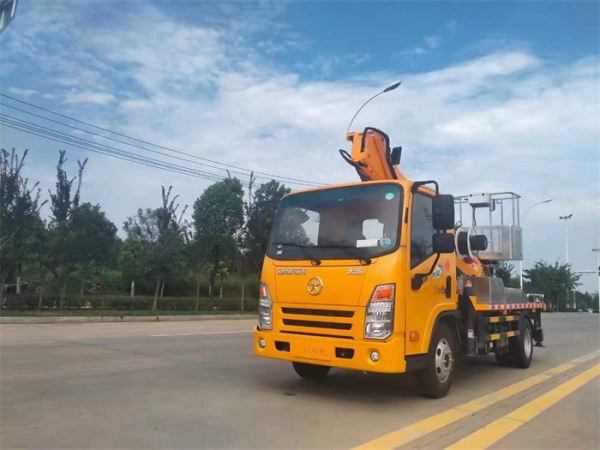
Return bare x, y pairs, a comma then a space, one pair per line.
314, 286
291, 272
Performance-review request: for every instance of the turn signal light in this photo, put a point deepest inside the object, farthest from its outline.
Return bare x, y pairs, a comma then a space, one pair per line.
383, 293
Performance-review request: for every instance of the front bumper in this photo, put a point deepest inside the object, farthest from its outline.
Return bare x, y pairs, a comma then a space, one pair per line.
334, 352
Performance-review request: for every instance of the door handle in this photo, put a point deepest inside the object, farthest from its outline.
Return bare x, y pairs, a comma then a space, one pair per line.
448, 286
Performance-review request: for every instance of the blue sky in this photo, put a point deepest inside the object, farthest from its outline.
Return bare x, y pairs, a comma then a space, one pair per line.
495, 96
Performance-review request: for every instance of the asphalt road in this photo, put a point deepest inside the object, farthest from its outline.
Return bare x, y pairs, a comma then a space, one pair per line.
198, 385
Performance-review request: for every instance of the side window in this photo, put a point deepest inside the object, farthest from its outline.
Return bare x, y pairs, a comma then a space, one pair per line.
421, 237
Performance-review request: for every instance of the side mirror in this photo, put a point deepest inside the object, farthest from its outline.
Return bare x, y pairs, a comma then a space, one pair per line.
443, 212
443, 243
395, 156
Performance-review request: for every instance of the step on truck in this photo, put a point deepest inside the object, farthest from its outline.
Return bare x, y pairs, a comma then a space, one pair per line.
378, 276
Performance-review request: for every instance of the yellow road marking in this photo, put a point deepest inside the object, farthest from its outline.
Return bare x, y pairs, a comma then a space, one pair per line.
419, 429
492, 433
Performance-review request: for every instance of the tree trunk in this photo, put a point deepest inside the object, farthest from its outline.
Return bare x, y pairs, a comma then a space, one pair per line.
156, 294
243, 293
162, 290
132, 288
221, 290
213, 275
81, 291
18, 284
41, 299
2, 279
197, 295
63, 293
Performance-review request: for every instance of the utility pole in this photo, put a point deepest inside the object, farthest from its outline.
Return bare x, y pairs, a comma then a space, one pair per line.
565, 218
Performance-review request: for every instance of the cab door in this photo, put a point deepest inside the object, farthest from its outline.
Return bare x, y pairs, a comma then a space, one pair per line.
437, 293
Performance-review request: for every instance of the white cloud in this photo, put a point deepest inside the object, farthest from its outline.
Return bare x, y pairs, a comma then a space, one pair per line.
25, 93
97, 98
507, 121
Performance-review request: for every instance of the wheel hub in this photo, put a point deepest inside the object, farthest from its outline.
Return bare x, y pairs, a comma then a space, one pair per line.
443, 360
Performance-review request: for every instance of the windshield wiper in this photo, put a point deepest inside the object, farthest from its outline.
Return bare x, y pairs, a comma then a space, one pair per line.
350, 250
303, 248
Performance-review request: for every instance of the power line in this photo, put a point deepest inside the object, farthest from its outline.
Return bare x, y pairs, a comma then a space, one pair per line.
49, 131
284, 180
271, 176
149, 162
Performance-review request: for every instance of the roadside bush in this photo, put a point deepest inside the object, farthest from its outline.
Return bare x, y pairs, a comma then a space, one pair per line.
26, 302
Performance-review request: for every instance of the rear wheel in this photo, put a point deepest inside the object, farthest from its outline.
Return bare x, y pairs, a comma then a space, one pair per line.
435, 379
520, 348
311, 371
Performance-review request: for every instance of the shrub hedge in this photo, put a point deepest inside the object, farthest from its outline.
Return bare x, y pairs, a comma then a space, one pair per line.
26, 302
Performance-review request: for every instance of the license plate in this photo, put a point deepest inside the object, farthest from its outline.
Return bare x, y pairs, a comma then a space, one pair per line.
312, 352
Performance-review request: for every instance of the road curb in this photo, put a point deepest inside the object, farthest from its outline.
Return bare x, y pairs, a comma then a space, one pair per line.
116, 319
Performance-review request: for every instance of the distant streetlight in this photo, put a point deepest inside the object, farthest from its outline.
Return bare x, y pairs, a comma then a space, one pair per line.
522, 217
597, 251
565, 218
391, 87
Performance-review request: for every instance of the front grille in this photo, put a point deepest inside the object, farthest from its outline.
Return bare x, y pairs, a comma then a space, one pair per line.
315, 324
302, 320
317, 312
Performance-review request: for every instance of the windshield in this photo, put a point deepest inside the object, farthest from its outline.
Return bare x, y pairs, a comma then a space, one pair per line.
339, 223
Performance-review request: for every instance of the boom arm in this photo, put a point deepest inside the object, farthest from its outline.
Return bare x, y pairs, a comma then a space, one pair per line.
372, 157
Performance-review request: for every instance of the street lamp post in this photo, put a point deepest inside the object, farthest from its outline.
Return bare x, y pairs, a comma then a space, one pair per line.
565, 218
523, 217
391, 87
597, 250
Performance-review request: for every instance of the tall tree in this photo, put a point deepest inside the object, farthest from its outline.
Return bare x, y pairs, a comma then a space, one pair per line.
155, 244
64, 204
504, 271
19, 210
218, 216
555, 282
260, 215
95, 237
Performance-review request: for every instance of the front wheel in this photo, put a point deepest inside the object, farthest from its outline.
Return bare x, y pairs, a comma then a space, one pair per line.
435, 379
311, 371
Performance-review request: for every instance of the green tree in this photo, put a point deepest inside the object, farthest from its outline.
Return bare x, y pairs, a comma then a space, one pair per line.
63, 233
95, 237
260, 215
155, 244
504, 271
218, 216
555, 282
19, 210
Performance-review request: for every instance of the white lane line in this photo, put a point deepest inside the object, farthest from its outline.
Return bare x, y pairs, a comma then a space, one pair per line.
199, 334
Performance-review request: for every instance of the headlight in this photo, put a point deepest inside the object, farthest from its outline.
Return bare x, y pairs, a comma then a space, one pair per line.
265, 310
379, 321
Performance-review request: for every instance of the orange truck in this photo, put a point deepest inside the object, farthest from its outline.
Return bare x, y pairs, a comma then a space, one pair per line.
377, 276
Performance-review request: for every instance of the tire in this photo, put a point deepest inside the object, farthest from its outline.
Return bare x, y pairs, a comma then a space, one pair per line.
311, 371
435, 379
521, 347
